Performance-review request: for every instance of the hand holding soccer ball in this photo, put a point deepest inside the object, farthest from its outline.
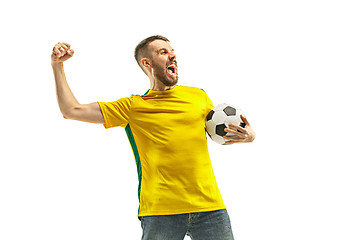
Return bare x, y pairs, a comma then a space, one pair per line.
226, 124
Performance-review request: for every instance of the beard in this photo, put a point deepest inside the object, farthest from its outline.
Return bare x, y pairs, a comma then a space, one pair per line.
162, 76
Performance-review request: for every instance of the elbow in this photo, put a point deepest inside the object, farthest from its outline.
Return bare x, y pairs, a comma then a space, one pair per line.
68, 114
72, 113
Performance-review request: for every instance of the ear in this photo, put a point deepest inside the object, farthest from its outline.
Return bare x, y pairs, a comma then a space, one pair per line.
145, 62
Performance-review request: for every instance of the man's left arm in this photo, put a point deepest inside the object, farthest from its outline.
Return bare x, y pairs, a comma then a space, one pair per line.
241, 135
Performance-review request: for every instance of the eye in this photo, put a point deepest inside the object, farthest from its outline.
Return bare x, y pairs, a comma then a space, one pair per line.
163, 51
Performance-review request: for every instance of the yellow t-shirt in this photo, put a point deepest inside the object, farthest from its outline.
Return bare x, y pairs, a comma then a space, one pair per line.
167, 135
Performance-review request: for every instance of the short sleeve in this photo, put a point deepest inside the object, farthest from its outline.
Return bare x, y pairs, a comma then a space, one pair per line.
209, 104
116, 113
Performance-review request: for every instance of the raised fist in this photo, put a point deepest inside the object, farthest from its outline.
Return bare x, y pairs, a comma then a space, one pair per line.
61, 52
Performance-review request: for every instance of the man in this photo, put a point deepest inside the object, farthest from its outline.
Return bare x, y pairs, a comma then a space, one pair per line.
177, 191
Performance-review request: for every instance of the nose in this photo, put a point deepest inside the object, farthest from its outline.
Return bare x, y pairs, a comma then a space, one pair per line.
172, 56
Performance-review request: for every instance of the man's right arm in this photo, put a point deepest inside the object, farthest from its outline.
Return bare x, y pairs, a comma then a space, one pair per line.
69, 106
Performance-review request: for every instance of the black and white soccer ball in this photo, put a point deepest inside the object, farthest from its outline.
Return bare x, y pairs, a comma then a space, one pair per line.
219, 118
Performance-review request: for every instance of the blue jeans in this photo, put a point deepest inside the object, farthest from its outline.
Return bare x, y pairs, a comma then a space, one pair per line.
214, 225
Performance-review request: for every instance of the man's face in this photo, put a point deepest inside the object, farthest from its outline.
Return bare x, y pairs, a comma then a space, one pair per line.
164, 63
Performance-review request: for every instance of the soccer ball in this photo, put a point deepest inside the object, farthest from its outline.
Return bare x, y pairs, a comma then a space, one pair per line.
219, 118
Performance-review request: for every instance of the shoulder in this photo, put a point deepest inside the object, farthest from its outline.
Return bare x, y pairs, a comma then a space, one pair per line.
138, 96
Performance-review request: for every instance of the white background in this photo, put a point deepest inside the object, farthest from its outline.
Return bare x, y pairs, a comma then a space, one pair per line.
291, 66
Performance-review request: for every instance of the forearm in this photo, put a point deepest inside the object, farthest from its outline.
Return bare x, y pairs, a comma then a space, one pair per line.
65, 97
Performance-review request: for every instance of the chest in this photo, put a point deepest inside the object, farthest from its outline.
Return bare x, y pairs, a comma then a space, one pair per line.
169, 111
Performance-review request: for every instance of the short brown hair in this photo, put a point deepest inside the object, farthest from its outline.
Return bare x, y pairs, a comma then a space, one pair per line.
142, 47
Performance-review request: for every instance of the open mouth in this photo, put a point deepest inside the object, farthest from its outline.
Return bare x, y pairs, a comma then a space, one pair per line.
171, 69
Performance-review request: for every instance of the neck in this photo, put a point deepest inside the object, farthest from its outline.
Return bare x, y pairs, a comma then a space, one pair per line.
157, 85
161, 88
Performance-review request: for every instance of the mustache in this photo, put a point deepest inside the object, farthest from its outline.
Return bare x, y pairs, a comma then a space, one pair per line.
171, 62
